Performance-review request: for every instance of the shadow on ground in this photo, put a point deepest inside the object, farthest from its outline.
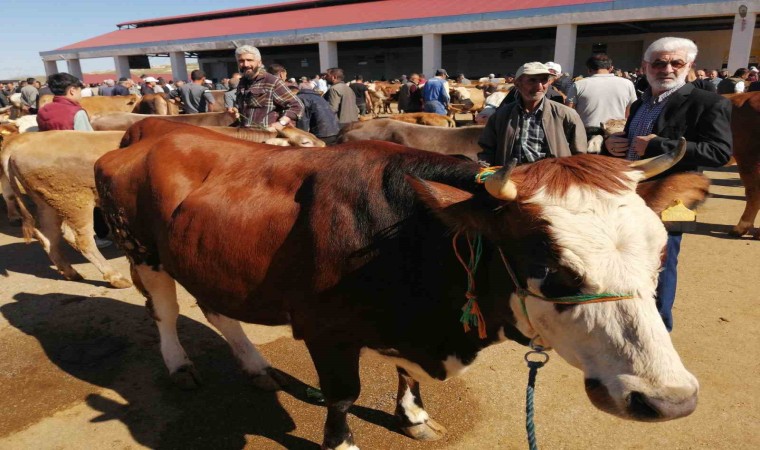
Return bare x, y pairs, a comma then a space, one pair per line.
114, 345
31, 259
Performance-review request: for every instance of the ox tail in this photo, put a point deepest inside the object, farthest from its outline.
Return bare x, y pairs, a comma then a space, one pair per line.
28, 222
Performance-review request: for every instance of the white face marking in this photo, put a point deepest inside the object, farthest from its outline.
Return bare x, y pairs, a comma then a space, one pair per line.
613, 241
414, 413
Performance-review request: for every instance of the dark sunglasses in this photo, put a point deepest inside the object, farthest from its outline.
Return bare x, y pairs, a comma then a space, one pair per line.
660, 64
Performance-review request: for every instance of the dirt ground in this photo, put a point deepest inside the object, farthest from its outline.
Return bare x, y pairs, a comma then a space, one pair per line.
80, 368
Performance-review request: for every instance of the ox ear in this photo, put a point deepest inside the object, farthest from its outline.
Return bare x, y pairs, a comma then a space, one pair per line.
450, 204
691, 188
437, 196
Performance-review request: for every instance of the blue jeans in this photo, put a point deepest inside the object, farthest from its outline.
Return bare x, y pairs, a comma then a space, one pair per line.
434, 106
666, 287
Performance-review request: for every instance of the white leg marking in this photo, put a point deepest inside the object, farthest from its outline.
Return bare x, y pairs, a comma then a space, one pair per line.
245, 352
346, 446
413, 412
163, 293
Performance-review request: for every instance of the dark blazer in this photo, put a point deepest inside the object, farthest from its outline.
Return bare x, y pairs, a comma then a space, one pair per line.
702, 117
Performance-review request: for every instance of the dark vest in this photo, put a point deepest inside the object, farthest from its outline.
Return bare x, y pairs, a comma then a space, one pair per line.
58, 115
728, 85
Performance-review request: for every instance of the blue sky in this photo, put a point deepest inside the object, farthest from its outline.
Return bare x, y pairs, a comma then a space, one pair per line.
31, 27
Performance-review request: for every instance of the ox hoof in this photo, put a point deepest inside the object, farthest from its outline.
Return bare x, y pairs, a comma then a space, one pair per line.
270, 380
428, 431
119, 282
738, 231
186, 378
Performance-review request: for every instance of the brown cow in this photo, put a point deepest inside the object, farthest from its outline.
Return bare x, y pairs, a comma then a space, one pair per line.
745, 127
157, 104
63, 187
352, 246
123, 120
426, 118
448, 141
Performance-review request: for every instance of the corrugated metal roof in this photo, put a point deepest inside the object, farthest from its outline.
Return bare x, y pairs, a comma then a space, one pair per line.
293, 4
322, 17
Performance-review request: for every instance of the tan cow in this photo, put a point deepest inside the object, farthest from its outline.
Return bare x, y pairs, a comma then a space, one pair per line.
448, 141
596, 141
55, 169
99, 105
468, 99
426, 118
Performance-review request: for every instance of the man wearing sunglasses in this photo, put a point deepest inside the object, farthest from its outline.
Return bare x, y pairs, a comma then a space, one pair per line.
668, 110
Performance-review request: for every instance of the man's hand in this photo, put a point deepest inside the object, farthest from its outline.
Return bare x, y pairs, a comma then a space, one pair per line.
640, 143
617, 144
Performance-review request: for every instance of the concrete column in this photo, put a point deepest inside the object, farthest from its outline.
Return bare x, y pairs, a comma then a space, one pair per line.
431, 54
122, 66
741, 42
179, 66
328, 55
564, 47
51, 67
74, 68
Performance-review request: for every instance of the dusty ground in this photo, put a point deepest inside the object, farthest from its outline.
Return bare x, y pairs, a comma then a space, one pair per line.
80, 368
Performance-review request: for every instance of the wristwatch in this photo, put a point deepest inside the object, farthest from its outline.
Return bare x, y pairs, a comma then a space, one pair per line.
283, 122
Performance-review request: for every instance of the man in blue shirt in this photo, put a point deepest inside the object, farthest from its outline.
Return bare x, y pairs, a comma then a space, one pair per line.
435, 93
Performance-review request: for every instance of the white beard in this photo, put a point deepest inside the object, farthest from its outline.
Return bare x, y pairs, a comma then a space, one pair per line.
666, 85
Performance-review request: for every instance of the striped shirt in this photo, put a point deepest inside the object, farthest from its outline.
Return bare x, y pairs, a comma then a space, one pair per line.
643, 121
530, 143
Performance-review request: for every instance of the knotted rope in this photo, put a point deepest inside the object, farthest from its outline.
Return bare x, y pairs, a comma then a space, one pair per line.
471, 313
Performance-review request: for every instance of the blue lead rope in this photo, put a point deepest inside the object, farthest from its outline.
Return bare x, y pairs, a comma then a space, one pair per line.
530, 427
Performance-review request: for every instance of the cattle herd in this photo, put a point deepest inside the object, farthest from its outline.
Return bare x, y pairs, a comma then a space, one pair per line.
359, 246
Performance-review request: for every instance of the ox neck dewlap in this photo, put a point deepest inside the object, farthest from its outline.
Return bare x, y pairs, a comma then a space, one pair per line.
472, 314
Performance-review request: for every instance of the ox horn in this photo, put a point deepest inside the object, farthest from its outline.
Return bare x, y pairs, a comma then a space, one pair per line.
500, 186
659, 164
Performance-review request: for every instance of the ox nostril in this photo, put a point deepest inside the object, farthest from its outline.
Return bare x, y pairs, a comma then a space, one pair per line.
640, 408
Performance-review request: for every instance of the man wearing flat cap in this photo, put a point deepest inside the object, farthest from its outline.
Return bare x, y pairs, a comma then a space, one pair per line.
532, 128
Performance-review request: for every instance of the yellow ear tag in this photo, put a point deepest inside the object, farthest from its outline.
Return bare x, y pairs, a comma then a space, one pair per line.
677, 217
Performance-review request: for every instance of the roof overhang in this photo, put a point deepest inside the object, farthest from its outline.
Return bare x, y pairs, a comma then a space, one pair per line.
604, 11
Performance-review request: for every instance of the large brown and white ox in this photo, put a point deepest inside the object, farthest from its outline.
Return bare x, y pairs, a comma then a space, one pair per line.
56, 170
448, 141
745, 126
352, 246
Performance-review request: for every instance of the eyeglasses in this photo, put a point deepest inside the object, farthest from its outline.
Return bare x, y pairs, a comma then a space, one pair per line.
660, 64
